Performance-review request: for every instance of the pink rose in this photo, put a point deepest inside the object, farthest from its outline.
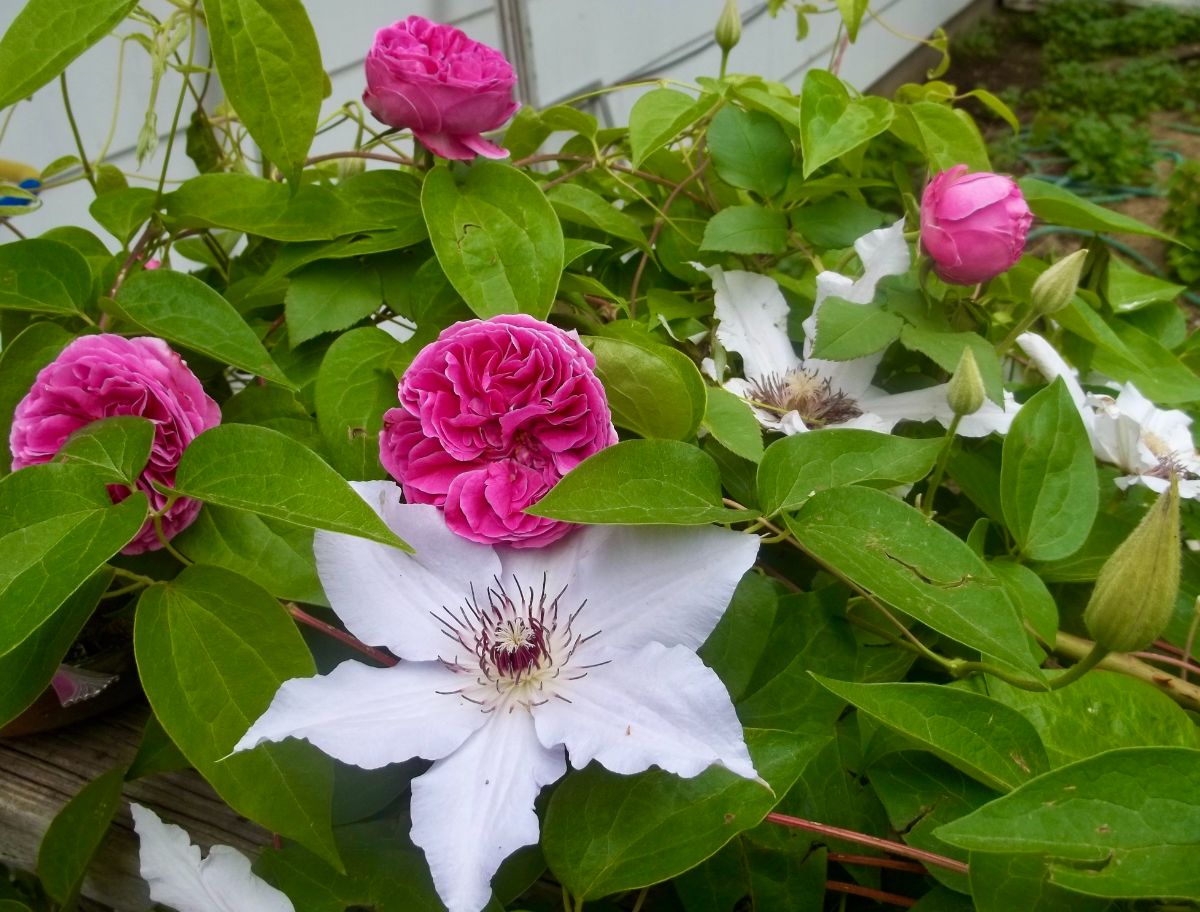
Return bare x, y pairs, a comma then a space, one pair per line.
973, 225
437, 82
491, 416
106, 375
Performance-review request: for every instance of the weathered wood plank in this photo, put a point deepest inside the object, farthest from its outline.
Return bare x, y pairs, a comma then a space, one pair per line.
40, 773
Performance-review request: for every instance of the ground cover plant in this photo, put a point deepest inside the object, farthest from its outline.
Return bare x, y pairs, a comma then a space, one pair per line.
720, 512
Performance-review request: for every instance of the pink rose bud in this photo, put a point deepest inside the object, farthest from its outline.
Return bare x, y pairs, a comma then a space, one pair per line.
492, 414
437, 82
973, 225
106, 375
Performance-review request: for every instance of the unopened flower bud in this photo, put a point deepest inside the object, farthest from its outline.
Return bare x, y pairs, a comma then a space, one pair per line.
1135, 592
1056, 286
729, 27
965, 391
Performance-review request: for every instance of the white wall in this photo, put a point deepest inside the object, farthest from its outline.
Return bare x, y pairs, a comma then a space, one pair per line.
572, 45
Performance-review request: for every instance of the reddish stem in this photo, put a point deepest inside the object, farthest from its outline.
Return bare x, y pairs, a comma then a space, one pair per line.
341, 636
895, 899
1168, 647
1166, 660
874, 861
896, 848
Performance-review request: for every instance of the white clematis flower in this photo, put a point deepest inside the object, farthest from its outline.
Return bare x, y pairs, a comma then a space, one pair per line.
790, 394
1128, 431
513, 659
179, 878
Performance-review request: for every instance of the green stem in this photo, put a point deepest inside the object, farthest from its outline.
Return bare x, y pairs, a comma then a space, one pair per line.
1010, 340
935, 480
166, 542
1095, 655
960, 668
183, 90
724, 61
83, 158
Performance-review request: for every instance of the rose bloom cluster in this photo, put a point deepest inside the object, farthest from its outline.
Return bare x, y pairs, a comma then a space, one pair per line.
491, 416
973, 225
103, 376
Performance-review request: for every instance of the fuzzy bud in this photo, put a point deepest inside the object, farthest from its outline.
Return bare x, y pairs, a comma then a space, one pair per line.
729, 27
965, 391
1056, 286
1136, 589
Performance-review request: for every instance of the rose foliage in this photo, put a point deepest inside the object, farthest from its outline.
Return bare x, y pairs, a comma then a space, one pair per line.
704, 509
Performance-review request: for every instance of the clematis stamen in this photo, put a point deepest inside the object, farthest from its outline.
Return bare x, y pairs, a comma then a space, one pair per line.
806, 392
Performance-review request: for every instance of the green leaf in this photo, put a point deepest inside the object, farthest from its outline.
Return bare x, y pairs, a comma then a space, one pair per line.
638, 482
156, 753
44, 276
580, 206
20, 360
1122, 824
835, 222
1127, 290
328, 296
182, 309
658, 117
795, 468
852, 14
653, 390
212, 649
750, 150
75, 834
46, 35
735, 646
27, 668
846, 331
251, 204
1048, 486
1001, 883
276, 555
605, 833
123, 212
1161, 376
996, 106
496, 237
947, 137
945, 349
263, 471
58, 525
117, 448
355, 386
890, 549
982, 737
1059, 206
831, 124
1101, 711
729, 419
269, 63
746, 229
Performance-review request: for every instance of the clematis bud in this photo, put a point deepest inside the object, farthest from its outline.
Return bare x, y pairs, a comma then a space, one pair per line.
1056, 286
965, 391
1135, 591
729, 27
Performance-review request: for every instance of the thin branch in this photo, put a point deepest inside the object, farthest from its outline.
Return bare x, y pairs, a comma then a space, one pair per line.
894, 899
874, 861
341, 636
562, 178
1185, 693
1165, 660
373, 156
657, 230
896, 848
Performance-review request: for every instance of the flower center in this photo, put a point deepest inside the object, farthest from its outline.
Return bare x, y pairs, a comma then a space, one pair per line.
519, 643
807, 393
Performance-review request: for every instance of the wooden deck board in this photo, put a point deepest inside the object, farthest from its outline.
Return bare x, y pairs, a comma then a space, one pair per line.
40, 773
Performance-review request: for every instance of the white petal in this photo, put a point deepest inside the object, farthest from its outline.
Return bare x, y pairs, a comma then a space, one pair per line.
752, 319
1117, 437
990, 418
372, 716
222, 882
930, 404
1052, 365
475, 808
669, 584
850, 377
386, 597
883, 252
650, 706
